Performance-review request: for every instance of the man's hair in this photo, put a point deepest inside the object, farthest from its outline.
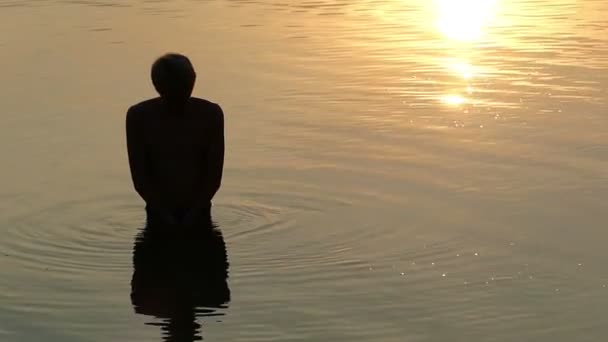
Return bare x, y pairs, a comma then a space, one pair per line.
173, 77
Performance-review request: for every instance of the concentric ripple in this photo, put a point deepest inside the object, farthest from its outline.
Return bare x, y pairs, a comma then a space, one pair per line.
75, 237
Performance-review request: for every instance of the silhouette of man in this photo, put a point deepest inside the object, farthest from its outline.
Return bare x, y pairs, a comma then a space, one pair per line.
175, 146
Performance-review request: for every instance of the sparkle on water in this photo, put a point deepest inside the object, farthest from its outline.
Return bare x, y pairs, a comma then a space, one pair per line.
454, 100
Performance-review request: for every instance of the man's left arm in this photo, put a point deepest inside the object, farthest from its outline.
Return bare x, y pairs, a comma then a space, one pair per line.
215, 156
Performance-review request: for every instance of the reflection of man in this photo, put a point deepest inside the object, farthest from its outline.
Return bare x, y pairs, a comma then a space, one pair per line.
179, 277
176, 146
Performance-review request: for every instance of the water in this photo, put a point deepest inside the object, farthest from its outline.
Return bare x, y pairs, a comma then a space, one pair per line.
397, 170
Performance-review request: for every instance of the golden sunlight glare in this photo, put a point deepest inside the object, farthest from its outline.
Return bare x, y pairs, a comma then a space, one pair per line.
454, 100
462, 69
464, 20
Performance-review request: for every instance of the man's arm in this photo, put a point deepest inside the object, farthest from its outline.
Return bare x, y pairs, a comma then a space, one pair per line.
137, 163
214, 165
137, 157
215, 155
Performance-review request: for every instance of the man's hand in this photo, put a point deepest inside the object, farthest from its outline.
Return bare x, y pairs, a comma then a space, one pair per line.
167, 218
193, 216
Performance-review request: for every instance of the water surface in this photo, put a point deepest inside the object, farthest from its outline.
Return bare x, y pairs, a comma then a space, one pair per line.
397, 170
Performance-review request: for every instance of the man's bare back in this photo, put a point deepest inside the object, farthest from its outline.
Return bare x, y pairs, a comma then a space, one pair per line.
176, 154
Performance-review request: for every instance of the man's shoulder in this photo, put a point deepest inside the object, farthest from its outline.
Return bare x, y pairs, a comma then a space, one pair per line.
204, 103
144, 105
209, 108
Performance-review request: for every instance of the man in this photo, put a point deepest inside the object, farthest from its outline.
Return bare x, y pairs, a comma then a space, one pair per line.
175, 145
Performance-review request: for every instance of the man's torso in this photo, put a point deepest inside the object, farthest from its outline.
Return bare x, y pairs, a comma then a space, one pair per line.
176, 147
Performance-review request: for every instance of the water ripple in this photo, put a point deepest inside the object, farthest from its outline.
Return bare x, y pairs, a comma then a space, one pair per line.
44, 241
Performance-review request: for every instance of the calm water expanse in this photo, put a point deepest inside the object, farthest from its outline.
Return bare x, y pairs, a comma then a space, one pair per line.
397, 170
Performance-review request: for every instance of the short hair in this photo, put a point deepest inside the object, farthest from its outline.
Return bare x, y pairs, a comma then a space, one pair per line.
173, 76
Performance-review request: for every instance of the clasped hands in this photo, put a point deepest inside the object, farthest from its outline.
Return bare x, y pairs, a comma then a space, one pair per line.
190, 218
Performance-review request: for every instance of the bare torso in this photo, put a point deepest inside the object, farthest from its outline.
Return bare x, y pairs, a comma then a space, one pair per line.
176, 145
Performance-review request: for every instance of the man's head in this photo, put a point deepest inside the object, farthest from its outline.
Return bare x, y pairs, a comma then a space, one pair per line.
173, 77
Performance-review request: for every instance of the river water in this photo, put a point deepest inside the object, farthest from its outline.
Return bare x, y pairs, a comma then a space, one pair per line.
396, 170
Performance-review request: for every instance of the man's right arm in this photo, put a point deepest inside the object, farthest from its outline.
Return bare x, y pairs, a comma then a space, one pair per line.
137, 156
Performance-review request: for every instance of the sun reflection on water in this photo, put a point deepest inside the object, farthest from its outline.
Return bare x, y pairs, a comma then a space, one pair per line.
461, 69
453, 100
461, 24
465, 20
